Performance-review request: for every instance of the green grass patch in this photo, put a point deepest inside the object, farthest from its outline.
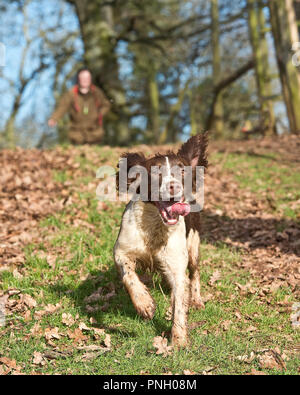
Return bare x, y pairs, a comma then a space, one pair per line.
233, 324
267, 177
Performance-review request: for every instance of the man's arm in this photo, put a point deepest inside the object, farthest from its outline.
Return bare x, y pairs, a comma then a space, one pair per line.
61, 109
104, 103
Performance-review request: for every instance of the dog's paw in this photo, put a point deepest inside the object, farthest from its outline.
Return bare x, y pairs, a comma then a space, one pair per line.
197, 303
145, 305
179, 338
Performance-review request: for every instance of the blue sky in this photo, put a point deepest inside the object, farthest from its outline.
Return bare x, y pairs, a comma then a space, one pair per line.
38, 98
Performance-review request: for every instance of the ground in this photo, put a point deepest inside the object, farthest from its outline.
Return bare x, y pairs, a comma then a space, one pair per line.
63, 309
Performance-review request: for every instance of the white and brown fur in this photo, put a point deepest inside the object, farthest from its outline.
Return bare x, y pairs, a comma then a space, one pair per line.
144, 238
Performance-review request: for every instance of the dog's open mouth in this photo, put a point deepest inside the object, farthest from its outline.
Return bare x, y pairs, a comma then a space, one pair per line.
170, 211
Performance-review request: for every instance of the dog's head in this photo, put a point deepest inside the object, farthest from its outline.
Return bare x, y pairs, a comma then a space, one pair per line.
162, 177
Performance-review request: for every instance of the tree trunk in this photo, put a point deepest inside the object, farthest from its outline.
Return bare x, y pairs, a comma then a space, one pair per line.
97, 30
169, 134
282, 25
269, 123
256, 22
154, 115
215, 36
217, 90
193, 121
9, 132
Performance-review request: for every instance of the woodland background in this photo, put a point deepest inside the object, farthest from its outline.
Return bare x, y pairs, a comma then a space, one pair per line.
171, 68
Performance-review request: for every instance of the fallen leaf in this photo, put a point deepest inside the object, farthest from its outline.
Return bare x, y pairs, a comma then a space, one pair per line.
226, 325
38, 359
130, 353
29, 301
90, 356
246, 358
77, 335
255, 372
83, 327
107, 341
52, 333
215, 277
188, 372
251, 328
161, 345
271, 360
67, 319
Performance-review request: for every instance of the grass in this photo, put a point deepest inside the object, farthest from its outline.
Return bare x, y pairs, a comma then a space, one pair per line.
87, 250
267, 177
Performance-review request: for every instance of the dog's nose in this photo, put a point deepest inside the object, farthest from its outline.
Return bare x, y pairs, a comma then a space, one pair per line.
174, 188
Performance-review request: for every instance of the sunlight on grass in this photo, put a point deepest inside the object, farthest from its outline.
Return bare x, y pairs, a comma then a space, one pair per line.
76, 260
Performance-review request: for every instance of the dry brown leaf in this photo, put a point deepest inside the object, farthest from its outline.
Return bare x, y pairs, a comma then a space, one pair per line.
161, 345
90, 356
215, 277
84, 327
107, 341
101, 206
226, 325
255, 372
52, 333
271, 359
188, 372
130, 353
92, 347
38, 359
67, 319
36, 330
95, 296
29, 301
76, 335
98, 332
246, 358
251, 328
17, 274
10, 363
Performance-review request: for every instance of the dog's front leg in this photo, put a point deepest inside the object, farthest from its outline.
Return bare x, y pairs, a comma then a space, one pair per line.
138, 292
174, 271
180, 309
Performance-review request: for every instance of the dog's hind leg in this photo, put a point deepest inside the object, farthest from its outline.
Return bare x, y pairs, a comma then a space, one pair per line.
138, 292
193, 242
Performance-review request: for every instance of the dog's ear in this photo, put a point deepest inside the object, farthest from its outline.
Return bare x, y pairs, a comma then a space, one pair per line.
131, 160
194, 151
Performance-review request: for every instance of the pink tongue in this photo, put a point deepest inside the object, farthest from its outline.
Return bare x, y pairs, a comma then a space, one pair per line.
180, 209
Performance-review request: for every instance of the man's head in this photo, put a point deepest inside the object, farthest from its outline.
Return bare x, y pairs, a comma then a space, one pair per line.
84, 79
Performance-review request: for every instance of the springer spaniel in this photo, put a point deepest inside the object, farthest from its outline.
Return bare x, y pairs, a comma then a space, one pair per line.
162, 233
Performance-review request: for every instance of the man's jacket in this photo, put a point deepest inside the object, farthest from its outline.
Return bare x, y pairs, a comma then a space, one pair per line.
85, 110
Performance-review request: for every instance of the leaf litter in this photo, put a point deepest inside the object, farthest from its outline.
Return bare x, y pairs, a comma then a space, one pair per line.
29, 193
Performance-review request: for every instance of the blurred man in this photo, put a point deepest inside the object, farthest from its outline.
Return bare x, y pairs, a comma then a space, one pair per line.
86, 106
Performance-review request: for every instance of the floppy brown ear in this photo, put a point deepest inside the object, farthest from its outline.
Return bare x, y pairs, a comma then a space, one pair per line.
194, 151
133, 159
